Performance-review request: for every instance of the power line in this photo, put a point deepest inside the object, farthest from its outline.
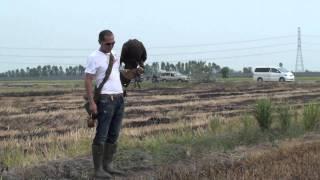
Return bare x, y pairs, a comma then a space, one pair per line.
222, 50
153, 55
34, 63
26, 56
309, 35
44, 49
222, 43
310, 43
210, 58
155, 47
49, 49
256, 54
311, 50
239, 56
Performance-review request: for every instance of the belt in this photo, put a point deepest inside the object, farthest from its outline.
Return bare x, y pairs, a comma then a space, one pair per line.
111, 96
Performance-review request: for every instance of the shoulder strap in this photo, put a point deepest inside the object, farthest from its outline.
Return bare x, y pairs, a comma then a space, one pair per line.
108, 72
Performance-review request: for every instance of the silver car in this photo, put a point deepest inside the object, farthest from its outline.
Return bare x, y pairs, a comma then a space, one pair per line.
173, 76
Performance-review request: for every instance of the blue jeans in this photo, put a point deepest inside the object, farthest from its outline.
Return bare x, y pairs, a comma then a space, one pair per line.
110, 114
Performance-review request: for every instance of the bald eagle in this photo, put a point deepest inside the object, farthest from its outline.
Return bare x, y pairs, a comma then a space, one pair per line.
133, 55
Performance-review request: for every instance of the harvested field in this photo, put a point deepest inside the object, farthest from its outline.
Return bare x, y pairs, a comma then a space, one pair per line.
35, 121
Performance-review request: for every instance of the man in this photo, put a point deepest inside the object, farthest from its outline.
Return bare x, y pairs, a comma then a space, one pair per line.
110, 107
137, 81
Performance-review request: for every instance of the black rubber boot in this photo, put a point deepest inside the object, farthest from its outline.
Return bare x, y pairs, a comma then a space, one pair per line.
97, 156
109, 151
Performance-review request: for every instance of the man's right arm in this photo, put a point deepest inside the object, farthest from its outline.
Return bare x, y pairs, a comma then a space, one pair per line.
88, 85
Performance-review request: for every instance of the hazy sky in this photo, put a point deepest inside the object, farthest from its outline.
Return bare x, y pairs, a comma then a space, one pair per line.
230, 33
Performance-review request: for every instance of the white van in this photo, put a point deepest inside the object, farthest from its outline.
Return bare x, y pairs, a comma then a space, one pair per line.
261, 74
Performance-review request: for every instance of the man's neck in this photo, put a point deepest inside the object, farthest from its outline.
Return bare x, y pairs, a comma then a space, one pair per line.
103, 51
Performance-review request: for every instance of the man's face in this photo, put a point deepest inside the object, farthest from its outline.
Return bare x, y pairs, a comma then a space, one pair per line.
107, 44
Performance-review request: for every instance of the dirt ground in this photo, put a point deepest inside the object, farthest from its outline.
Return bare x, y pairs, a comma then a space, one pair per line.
275, 161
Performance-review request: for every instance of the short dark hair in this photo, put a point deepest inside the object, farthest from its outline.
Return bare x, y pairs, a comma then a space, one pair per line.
104, 33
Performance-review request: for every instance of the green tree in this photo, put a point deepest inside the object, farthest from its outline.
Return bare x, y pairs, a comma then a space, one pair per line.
163, 66
22, 73
28, 71
61, 72
225, 72
81, 70
155, 67
38, 71
55, 70
247, 70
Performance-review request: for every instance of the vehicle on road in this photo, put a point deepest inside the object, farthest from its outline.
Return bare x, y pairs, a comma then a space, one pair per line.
261, 74
173, 76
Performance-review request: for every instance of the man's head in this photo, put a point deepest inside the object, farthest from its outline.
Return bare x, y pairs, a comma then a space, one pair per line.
106, 41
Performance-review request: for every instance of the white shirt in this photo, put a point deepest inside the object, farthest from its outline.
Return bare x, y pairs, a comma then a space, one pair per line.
97, 64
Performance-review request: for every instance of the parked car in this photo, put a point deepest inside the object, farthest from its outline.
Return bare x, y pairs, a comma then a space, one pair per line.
261, 74
173, 76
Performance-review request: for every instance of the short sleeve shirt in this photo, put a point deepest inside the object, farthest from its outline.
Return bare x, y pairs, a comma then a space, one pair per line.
97, 64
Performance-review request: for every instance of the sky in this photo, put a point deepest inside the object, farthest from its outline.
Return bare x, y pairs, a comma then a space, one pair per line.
231, 33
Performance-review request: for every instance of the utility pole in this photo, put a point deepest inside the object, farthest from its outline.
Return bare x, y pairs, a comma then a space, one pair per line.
299, 60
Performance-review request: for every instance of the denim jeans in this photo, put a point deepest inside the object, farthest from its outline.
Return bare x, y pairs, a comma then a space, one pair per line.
110, 114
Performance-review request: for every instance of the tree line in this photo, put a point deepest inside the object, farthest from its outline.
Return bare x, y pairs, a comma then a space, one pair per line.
184, 68
45, 71
195, 69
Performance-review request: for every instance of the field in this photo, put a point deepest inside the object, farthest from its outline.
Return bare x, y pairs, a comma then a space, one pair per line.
170, 131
